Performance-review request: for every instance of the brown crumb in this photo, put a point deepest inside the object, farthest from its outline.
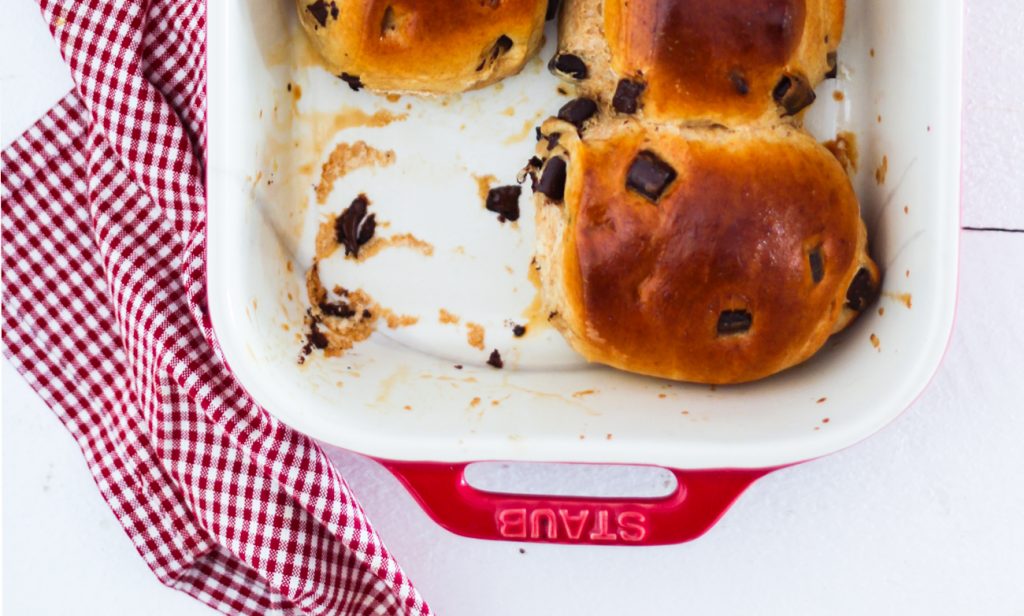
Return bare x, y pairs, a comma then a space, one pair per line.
662, 396
906, 209
337, 324
585, 392
881, 312
475, 335
518, 331
394, 98
838, 96
447, 318
475, 401
583, 436
495, 402
686, 412
872, 52
407, 407
875, 342
825, 420
882, 171
844, 148
822, 400
608, 436
345, 158
458, 366
495, 360
907, 274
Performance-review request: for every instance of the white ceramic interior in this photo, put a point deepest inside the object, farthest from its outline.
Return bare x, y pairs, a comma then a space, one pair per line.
398, 394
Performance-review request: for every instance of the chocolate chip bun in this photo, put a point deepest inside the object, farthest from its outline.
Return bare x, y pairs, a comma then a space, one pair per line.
696, 254
424, 46
726, 62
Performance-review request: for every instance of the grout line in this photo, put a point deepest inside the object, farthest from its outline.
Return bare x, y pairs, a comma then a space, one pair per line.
993, 229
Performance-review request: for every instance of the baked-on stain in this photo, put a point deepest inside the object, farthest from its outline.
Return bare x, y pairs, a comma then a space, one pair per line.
483, 186
345, 158
446, 318
329, 330
904, 298
583, 392
882, 171
844, 148
475, 335
698, 55
400, 240
838, 96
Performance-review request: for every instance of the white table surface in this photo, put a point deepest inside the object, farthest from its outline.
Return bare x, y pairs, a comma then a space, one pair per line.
927, 517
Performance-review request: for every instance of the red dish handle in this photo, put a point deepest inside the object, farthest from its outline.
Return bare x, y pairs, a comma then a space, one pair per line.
700, 499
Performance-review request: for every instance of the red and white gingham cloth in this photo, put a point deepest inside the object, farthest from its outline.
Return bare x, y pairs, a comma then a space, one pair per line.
104, 227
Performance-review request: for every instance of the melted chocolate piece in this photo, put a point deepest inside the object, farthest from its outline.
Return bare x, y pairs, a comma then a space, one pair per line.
739, 82
649, 176
316, 338
519, 331
734, 322
817, 263
552, 179
793, 93
627, 96
500, 47
321, 9
833, 65
495, 360
504, 200
552, 9
861, 292
339, 309
354, 228
577, 111
569, 65
353, 81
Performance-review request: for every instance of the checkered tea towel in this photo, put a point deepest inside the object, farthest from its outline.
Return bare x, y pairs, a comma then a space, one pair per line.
104, 230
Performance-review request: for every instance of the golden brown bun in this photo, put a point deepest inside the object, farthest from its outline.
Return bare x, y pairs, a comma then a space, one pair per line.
424, 46
705, 61
739, 269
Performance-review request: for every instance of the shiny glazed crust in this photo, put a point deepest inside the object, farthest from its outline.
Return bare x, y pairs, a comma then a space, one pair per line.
704, 61
641, 285
424, 46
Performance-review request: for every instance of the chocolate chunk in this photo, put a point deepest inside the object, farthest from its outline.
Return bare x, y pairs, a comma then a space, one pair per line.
540, 135
316, 337
500, 47
649, 176
321, 9
354, 228
519, 331
627, 96
569, 65
739, 82
734, 322
339, 309
793, 93
817, 262
833, 65
552, 9
495, 360
553, 140
552, 179
367, 314
352, 81
861, 292
577, 111
504, 200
